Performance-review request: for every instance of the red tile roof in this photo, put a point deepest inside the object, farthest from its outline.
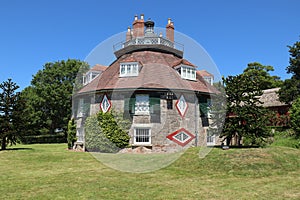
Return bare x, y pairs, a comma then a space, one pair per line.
98, 67
204, 73
183, 62
156, 73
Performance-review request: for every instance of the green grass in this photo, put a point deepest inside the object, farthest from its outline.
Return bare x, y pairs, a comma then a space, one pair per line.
50, 171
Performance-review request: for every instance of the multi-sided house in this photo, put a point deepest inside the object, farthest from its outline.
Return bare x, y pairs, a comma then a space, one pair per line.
152, 84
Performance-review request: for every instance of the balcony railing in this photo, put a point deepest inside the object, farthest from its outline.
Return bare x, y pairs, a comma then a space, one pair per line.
149, 41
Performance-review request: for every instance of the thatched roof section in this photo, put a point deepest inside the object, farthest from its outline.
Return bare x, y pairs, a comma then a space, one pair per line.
270, 98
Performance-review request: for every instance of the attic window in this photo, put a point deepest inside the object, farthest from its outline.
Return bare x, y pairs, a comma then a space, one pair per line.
208, 79
129, 69
187, 72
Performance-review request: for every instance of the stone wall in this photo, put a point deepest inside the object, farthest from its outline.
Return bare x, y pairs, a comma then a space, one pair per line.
169, 122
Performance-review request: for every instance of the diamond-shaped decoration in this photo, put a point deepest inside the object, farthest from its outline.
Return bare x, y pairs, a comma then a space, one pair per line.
105, 104
181, 106
181, 137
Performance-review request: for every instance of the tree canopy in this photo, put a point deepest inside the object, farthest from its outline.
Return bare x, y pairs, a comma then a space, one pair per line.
261, 73
290, 90
49, 98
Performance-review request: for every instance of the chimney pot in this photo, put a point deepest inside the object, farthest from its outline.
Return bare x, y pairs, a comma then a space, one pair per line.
169, 20
135, 17
142, 16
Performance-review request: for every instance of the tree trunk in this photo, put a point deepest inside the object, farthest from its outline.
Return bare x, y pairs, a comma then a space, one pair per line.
3, 143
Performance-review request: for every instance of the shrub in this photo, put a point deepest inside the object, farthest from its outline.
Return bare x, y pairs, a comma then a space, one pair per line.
71, 138
42, 139
95, 140
295, 117
115, 128
106, 132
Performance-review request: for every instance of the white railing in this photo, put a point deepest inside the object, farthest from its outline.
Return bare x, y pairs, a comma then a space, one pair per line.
148, 41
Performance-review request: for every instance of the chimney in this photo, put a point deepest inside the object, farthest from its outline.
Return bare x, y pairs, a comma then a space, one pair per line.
138, 26
128, 34
170, 30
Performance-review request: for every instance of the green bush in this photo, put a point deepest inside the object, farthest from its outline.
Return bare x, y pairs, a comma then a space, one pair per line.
95, 140
71, 138
43, 139
286, 138
115, 128
295, 117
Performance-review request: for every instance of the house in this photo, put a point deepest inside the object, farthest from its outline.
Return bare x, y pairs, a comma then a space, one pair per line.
270, 100
152, 84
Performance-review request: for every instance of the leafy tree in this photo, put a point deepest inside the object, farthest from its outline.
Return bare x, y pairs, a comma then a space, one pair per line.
49, 98
10, 117
295, 117
291, 87
245, 115
261, 73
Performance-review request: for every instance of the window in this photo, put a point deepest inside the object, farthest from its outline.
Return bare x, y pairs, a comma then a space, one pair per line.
142, 136
80, 108
129, 69
210, 138
208, 79
142, 104
187, 72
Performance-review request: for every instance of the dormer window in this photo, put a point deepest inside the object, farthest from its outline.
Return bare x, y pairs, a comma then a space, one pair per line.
88, 77
187, 72
129, 69
208, 79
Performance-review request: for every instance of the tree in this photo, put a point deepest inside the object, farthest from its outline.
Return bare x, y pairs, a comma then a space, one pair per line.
291, 87
245, 118
262, 75
71, 133
295, 117
49, 98
10, 118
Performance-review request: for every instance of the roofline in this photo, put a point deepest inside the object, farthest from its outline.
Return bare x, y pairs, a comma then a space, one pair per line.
143, 89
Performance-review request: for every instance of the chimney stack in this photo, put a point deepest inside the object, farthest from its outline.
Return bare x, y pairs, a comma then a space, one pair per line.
128, 34
170, 30
138, 26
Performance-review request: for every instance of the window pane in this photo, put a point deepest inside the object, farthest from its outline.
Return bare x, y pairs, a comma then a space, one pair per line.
142, 103
122, 69
142, 135
129, 69
134, 69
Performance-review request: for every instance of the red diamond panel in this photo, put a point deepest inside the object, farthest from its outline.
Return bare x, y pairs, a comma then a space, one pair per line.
181, 106
181, 137
105, 104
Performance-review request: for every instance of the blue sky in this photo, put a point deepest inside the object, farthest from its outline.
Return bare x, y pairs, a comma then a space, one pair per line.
233, 32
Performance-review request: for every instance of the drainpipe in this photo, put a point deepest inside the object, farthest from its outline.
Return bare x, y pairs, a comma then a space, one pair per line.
196, 120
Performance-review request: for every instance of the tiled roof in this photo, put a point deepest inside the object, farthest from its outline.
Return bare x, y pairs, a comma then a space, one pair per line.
204, 73
98, 67
183, 62
156, 73
270, 98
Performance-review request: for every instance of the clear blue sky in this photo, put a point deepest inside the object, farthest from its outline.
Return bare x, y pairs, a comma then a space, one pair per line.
233, 32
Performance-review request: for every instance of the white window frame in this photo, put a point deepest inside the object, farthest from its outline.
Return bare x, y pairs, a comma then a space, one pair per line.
210, 139
208, 79
135, 135
145, 105
187, 72
129, 69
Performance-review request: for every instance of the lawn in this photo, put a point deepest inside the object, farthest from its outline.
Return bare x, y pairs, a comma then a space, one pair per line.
49, 171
